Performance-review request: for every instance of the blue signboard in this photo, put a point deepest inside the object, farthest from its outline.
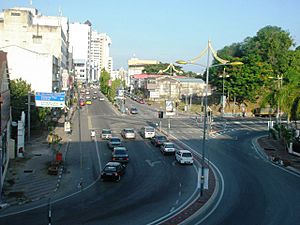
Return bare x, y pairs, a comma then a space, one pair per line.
52, 100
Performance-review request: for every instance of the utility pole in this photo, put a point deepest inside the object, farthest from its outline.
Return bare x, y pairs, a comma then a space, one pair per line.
28, 114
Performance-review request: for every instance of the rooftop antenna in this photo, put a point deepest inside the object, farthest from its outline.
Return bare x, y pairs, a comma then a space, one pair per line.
59, 11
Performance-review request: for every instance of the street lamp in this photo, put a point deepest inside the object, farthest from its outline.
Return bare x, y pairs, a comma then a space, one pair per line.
279, 80
207, 66
223, 76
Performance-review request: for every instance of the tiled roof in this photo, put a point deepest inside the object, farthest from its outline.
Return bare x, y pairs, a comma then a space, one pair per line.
143, 76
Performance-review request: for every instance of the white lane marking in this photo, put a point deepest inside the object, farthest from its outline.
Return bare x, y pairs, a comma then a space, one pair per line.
172, 209
98, 155
152, 163
89, 122
219, 184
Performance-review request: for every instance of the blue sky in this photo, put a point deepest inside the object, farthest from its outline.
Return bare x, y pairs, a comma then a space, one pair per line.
167, 30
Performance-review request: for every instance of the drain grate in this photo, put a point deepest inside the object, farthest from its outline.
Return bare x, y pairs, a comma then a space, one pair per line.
28, 171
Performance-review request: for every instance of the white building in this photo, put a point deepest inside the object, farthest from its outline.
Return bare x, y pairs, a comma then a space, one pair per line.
39, 40
136, 66
80, 42
33, 67
100, 53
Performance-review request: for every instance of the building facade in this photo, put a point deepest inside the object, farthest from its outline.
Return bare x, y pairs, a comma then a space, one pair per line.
135, 67
5, 142
36, 37
80, 43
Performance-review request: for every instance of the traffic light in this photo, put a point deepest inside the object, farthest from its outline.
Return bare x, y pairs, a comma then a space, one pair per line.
160, 114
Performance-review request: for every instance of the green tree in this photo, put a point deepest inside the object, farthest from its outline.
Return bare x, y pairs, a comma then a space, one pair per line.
104, 79
116, 84
18, 97
264, 55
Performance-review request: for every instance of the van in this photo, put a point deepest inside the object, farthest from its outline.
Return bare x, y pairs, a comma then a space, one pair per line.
147, 132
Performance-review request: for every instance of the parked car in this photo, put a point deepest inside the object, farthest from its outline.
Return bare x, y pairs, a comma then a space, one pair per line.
133, 110
167, 148
120, 154
128, 133
114, 142
106, 134
113, 171
147, 132
158, 140
184, 157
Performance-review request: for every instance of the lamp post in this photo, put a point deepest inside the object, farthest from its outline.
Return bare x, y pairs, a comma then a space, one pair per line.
207, 66
279, 85
223, 76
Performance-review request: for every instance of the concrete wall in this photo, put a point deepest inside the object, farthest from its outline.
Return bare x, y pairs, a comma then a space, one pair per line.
32, 67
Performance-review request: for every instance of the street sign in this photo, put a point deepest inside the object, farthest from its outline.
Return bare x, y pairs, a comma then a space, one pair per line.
52, 100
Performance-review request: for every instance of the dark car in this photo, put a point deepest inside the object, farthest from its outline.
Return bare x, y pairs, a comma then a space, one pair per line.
120, 154
159, 140
114, 142
113, 171
133, 110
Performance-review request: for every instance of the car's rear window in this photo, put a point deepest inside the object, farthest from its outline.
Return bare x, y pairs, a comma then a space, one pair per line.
110, 169
115, 140
169, 146
148, 129
120, 152
186, 154
106, 132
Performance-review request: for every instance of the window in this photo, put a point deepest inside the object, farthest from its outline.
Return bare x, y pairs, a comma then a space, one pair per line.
15, 14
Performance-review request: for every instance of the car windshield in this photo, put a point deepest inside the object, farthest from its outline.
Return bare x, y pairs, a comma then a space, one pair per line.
110, 169
186, 154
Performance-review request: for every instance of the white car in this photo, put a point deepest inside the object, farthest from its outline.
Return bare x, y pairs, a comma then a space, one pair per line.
128, 133
147, 132
106, 134
167, 148
184, 157
101, 98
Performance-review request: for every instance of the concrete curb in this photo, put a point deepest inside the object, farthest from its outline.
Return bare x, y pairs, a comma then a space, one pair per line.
269, 159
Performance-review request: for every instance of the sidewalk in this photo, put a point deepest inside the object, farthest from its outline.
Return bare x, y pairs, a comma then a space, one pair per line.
27, 179
277, 153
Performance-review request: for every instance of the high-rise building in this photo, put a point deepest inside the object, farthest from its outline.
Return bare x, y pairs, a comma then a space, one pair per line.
80, 42
100, 52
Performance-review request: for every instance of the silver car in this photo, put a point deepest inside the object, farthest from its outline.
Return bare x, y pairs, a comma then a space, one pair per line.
128, 133
167, 148
184, 157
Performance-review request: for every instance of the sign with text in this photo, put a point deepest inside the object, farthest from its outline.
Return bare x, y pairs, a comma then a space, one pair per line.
52, 100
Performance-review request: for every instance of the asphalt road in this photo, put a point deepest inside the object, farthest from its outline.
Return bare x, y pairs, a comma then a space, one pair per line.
154, 185
255, 191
